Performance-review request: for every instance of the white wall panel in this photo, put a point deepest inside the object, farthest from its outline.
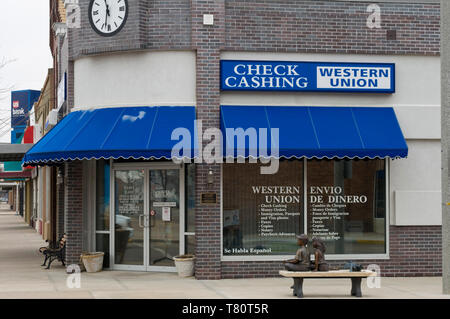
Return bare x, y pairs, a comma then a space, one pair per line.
419, 122
135, 79
417, 208
415, 185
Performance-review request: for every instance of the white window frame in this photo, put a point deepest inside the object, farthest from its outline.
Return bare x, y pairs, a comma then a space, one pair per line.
94, 230
187, 233
329, 257
182, 231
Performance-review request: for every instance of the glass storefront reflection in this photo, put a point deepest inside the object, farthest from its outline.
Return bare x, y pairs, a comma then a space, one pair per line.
129, 208
262, 213
164, 217
347, 205
102, 191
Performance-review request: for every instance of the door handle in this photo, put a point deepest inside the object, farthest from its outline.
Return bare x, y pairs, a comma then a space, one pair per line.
140, 221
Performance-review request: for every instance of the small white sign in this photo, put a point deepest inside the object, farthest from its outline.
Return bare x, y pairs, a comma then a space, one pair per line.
166, 214
61, 98
164, 204
208, 19
51, 120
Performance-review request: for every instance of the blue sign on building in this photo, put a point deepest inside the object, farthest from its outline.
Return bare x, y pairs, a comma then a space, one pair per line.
21, 104
242, 75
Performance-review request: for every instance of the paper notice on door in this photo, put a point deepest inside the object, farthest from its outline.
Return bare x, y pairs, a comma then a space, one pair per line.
166, 214
164, 204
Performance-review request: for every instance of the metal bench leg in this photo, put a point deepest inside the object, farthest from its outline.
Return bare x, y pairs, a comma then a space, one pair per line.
298, 287
50, 262
356, 287
45, 260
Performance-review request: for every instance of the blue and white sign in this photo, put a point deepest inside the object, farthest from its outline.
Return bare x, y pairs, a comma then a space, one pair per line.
21, 104
307, 76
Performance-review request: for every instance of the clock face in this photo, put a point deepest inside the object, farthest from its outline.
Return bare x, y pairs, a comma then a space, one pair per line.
107, 17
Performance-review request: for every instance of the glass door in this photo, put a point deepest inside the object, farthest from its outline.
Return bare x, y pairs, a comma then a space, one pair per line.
148, 219
164, 224
129, 230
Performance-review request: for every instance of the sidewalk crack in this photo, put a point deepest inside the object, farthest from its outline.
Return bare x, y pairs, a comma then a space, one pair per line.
215, 290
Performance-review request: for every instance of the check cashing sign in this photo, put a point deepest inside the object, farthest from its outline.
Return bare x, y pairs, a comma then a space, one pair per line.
307, 76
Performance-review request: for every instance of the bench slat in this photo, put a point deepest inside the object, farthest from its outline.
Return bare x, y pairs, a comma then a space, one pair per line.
326, 274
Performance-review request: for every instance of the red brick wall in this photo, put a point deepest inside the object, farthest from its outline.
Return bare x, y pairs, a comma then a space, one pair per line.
331, 27
268, 25
73, 211
208, 41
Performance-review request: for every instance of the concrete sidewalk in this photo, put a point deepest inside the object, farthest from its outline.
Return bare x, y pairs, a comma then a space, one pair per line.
22, 277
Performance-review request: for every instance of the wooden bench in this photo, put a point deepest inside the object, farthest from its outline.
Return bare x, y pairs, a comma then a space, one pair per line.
355, 277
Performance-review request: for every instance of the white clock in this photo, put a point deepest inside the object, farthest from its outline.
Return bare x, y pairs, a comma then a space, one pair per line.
107, 17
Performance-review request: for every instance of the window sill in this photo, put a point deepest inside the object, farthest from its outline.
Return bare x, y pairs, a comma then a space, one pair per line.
327, 257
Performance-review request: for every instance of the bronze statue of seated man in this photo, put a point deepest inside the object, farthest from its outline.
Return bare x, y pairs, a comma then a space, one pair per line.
301, 262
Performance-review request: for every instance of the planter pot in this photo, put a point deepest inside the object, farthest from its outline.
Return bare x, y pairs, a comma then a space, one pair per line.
185, 265
93, 262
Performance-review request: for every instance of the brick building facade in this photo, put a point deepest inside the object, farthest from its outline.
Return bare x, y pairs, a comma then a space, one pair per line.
260, 30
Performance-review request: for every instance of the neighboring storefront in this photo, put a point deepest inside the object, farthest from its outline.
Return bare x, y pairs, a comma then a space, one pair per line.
43, 179
21, 107
358, 138
11, 183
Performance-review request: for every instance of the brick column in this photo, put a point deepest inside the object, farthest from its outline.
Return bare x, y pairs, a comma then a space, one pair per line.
73, 210
60, 206
208, 40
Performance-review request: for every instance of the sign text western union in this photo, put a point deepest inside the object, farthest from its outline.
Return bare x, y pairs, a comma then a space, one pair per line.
307, 76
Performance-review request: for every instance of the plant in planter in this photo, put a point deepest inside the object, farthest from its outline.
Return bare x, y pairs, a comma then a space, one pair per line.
185, 265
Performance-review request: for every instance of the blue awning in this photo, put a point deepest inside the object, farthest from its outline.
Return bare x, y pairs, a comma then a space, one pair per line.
314, 132
122, 132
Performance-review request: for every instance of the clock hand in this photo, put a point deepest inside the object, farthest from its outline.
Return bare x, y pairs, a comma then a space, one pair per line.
107, 9
106, 14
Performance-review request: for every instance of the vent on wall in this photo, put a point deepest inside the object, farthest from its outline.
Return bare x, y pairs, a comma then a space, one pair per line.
391, 35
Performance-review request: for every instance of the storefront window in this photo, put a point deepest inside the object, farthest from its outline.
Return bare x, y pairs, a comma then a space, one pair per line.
347, 205
190, 198
102, 244
262, 213
129, 206
345, 201
102, 209
102, 198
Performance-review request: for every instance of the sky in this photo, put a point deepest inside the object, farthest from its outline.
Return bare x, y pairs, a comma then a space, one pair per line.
24, 41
